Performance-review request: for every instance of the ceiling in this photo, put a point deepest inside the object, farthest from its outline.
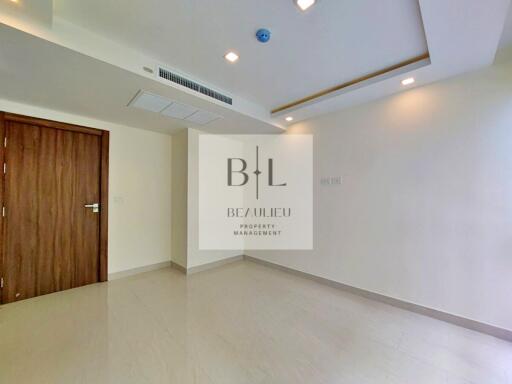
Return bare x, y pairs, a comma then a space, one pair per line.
332, 43
91, 54
506, 37
62, 79
31, 12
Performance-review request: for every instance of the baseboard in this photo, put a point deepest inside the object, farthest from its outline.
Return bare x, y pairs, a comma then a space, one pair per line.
215, 264
136, 271
460, 321
178, 267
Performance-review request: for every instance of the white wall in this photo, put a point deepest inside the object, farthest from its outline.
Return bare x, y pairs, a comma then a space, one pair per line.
179, 197
139, 189
195, 256
424, 213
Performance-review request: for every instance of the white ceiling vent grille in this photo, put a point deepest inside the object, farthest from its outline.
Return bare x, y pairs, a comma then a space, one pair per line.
170, 108
170, 76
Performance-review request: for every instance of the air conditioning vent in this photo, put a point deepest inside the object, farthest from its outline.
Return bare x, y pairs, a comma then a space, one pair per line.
170, 76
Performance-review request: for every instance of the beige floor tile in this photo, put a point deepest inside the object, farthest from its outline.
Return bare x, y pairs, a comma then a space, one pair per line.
241, 323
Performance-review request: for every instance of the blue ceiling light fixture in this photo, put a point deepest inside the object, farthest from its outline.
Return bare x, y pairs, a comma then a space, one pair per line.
263, 35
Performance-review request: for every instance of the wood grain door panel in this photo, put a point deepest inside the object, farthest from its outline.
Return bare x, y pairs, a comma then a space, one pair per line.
50, 240
87, 223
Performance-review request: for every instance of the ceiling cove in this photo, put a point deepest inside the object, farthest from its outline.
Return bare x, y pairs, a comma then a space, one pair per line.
403, 66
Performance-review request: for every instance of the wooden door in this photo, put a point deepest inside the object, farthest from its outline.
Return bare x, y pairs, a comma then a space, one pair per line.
50, 240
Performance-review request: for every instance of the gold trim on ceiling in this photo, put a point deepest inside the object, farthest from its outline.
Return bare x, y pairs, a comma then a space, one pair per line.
350, 83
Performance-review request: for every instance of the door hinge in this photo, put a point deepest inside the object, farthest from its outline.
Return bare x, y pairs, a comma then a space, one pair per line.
3, 211
5, 168
5, 142
1, 282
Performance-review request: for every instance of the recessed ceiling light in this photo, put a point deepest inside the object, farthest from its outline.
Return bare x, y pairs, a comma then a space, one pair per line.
408, 81
231, 56
289, 118
304, 4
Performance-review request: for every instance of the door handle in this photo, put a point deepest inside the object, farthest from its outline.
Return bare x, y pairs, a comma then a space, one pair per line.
95, 207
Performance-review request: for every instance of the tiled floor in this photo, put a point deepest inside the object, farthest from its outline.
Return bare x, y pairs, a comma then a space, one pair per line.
241, 323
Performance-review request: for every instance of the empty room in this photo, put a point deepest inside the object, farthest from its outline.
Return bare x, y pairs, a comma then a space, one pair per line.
255, 192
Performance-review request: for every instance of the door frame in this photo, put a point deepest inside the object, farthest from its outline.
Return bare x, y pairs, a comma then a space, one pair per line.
104, 167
